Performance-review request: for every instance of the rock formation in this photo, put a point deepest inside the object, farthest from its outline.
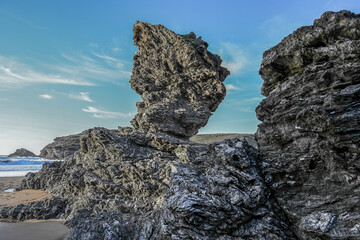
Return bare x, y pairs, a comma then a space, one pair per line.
150, 182
179, 80
22, 152
310, 130
138, 185
62, 147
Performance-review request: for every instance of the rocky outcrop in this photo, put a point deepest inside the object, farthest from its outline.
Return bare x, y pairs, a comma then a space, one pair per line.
46, 209
179, 80
310, 130
138, 185
150, 182
22, 152
62, 147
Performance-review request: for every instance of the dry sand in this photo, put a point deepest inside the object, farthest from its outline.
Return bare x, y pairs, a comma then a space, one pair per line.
52, 229
21, 197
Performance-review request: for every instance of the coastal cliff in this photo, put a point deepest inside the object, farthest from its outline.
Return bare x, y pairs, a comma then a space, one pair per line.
151, 182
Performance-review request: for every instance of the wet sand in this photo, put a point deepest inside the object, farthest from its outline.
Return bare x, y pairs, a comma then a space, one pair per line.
47, 230
52, 229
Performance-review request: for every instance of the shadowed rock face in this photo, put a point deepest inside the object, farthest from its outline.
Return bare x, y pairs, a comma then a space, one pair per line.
310, 130
179, 81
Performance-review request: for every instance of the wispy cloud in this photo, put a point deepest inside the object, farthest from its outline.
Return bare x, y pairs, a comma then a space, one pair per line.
234, 57
83, 96
96, 67
15, 73
46, 96
232, 87
106, 57
22, 20
254, 99
79, 69
97, 113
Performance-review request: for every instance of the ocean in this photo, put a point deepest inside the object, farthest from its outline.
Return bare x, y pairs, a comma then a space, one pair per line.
20, 166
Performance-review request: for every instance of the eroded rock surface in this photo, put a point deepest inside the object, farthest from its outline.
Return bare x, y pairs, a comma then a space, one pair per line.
310, 130
179, 80
139, 185
62, 147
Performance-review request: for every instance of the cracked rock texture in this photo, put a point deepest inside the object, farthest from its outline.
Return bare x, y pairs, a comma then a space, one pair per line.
310, 131
133, 184
150, 182
179, 80
62, 147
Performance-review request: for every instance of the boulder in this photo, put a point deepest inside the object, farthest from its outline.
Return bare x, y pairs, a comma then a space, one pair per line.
179, 80
310, 131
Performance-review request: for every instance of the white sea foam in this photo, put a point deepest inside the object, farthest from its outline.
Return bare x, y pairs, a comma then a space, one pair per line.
14, 173
20, 166
10, 190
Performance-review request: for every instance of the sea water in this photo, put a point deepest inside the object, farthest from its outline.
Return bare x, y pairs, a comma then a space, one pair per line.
20, 166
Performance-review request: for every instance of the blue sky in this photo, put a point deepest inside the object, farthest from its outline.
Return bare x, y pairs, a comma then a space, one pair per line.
65, 65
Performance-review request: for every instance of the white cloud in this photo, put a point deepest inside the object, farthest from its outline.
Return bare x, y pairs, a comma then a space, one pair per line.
70, 69
97, 113
15, 73
46, 96
234, 58
95, 67
232, 87
254, 99
103, 56
83, 96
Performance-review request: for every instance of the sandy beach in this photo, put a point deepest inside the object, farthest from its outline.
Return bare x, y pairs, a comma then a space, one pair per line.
52, 229
21, 197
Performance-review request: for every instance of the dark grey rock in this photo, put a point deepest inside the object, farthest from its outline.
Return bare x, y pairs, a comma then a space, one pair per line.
140, 185
62, 147
22, 152
46, 209
179, 80
310, 130
149, 182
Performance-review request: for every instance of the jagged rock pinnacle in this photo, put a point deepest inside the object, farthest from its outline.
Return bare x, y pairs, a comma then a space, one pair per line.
179, 80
